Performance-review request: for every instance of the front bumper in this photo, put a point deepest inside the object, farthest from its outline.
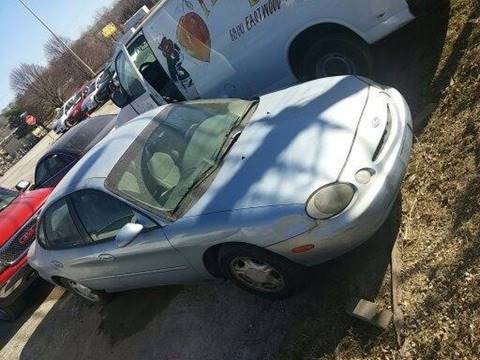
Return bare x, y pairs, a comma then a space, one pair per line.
373, 201
15, 286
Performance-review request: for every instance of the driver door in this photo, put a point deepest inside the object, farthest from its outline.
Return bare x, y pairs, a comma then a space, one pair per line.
149, 260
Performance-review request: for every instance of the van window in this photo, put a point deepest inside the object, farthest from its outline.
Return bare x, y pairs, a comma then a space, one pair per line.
128, 77
151, 70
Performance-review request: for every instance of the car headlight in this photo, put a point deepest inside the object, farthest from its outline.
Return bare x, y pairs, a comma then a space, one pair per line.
330, 200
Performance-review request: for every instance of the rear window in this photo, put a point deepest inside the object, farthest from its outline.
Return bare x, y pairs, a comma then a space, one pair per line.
50, 167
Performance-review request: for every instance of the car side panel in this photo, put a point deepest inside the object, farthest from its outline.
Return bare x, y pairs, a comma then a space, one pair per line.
262, 226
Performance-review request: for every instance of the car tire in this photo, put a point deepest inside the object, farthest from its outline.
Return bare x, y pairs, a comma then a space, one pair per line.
92, 296
336, 54
261, 272
12, 312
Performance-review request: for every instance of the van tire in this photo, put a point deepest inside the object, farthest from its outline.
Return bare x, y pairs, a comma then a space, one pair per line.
336, 54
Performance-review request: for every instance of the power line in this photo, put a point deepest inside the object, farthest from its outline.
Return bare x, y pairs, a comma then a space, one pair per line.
84, 64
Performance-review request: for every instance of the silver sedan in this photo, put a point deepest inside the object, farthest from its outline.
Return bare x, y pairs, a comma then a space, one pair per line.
253, 191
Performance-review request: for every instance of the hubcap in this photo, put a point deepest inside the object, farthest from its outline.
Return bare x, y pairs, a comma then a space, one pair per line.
334, 64
257, 274
83, 291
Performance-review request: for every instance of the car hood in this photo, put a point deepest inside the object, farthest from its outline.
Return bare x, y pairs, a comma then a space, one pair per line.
297, 140
20, 211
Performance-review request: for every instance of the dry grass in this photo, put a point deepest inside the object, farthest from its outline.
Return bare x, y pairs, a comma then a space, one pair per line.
441, 222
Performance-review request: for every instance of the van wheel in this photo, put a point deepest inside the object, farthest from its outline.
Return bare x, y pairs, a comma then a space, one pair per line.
93, 296
261, 272
336, 54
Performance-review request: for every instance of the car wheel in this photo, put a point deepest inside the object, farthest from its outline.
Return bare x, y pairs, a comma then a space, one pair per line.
336, 54
12, 311
93, 296
261, 272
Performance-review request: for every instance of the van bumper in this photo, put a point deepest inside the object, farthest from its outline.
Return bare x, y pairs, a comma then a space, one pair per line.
388, 26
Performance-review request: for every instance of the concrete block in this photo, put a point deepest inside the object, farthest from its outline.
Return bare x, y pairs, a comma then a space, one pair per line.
370, 312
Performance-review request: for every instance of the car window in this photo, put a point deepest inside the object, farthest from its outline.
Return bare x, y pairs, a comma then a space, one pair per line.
128, 77
60, 113
102, 215
41, 173
6, 197
89, 90
50, 167
59, 227
174, 152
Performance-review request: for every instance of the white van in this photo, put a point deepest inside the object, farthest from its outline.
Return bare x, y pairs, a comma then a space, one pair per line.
186, 49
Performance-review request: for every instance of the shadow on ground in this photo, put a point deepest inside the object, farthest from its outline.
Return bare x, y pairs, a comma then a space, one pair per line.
34, 296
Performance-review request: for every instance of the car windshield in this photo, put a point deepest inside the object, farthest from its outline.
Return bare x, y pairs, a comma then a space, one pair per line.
89, 90
60, 113
6, 197
175, 152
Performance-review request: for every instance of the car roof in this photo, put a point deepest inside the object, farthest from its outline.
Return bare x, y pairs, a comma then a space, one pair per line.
82, 137
100, 160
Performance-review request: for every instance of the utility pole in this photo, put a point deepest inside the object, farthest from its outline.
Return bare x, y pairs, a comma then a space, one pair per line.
83, 63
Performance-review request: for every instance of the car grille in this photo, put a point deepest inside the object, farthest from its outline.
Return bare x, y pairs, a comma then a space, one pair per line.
18, 245
384, 138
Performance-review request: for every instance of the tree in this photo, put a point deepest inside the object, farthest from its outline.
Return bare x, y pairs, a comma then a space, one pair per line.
13, 114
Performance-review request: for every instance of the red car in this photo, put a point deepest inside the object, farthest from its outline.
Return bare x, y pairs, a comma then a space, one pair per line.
77, 114
18, 214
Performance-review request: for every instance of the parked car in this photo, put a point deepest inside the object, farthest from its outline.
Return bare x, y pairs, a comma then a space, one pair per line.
247, 49
101, 92
77, 114
255, 191
63, 113
18, 214
67, 150
103, 89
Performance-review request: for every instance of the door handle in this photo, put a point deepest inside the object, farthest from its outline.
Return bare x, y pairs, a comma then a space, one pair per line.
106, 257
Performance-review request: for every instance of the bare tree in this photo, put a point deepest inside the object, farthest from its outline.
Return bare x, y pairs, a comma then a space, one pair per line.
39, 90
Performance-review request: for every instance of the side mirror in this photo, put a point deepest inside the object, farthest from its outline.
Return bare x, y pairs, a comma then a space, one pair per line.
22, 185
119, 98
127, 234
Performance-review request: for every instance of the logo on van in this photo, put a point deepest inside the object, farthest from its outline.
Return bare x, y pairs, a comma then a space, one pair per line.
256, 17
194, 36
172, 53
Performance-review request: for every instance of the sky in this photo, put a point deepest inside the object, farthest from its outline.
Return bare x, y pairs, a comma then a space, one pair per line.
22, 38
